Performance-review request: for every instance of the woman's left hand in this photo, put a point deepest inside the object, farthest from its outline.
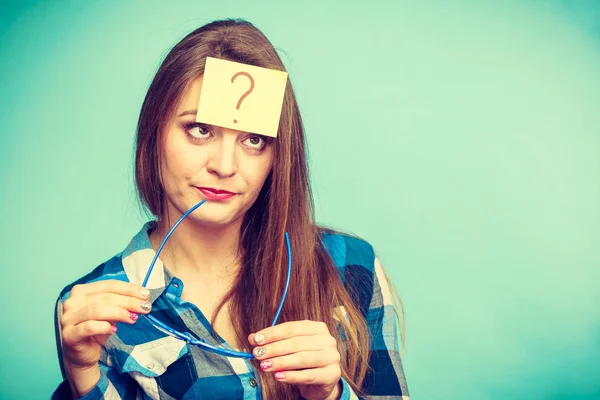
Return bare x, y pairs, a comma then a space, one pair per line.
301, 353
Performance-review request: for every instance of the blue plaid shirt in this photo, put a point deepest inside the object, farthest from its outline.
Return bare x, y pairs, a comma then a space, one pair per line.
140, 362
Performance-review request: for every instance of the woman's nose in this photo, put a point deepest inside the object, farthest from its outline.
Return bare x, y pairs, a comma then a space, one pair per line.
222, 160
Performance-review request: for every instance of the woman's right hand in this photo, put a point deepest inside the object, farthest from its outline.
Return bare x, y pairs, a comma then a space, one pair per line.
89, 317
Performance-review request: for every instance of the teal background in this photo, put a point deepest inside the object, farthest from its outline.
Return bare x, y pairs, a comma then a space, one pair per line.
462, 139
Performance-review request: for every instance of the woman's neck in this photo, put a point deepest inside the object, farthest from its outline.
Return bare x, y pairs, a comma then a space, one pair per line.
208, 253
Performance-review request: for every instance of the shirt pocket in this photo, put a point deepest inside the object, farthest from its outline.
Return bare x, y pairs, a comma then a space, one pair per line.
149, 359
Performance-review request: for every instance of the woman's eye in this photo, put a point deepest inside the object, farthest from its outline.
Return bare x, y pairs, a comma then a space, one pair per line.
198, 131
255, 142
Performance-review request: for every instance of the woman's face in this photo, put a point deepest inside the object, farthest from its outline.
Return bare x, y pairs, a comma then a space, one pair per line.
198, 161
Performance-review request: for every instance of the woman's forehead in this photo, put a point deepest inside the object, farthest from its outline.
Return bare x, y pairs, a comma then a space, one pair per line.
191, 96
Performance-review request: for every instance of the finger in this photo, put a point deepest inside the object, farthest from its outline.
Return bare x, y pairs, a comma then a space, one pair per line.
98, 312
82, 297
290, 346
301, 360
329, 375
102, 339
287, 330
112, 286
77, 333
128, 302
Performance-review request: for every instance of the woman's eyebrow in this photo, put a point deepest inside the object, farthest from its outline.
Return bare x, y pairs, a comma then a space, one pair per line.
188, 112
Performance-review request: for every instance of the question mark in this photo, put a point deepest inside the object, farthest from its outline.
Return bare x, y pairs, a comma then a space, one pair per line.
239, 103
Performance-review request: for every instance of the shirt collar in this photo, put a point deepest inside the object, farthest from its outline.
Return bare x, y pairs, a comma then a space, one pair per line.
138, 256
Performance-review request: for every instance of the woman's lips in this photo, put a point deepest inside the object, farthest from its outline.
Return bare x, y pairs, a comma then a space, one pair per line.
215, 194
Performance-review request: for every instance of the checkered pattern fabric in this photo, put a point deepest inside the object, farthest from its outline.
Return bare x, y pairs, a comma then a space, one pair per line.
141, 362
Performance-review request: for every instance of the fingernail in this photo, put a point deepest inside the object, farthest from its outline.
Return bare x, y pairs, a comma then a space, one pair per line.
265, 365
145, 292
259, 337
146, 306
279, 375
133, 316
259, 351
113, 328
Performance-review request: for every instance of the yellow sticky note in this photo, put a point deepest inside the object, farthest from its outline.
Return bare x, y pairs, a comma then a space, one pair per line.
242, 97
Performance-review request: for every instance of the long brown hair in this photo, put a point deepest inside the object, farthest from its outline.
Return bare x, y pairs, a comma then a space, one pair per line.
284, 204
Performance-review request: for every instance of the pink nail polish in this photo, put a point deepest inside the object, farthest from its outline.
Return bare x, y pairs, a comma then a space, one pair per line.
279, 375
265, 365
113, 328
133, 316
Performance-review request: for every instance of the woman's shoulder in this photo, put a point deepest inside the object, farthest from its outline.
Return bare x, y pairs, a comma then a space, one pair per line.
348, 250
109, 269
357, 265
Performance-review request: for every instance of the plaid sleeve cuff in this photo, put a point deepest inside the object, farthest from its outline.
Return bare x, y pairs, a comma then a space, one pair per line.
97, 393
347, 392
63, 391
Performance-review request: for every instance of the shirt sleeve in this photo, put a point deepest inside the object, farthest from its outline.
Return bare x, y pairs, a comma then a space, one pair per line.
111, 386
385, 376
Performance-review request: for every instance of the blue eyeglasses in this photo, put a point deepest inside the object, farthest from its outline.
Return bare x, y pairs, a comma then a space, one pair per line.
185, 336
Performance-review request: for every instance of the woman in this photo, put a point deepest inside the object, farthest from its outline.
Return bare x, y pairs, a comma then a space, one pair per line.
226, 263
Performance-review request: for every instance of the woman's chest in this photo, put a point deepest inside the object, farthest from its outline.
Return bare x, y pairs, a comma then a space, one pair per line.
164, 365
206, 303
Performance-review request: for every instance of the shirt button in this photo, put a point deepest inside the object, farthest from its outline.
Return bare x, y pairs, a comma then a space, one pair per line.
253, 382
150, 366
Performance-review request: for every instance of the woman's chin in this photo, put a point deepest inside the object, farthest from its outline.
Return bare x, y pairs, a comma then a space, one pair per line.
214, 221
